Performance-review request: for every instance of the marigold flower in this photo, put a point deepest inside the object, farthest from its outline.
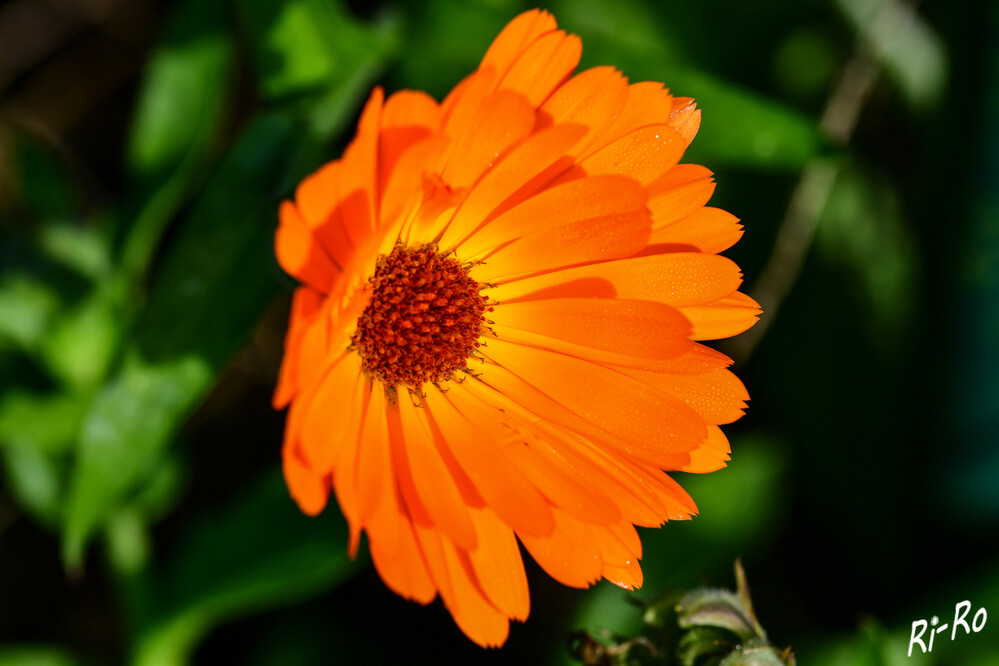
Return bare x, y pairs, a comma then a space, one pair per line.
495, 336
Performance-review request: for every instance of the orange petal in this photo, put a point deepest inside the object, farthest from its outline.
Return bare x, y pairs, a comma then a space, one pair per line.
309, 489
345, 484
524, 171
375, 473
612, 547
695, 360
305, 304
340, 216
503, 120
468, 430
610, 359
678, 193
313, 352
679, 504
678, 279
596, 239
605, 471
718, 396
639, 420
543, 464
710, 230
292, 441
712, 454
643, 154
627, 535
462, 105
409, 177
409, 497
431, 547
569, 554
558, 206
612, 473
359, 172
515, 38
409, 118
498, 567
462, 596
397, 556
647, 103
433, 484
298, 252
472, 612
543, 65
318, 198
592, 98
384, 523
723, 318
411, 108
685, 117
628, 577
318, 194
633, 328
332, 420
499, 385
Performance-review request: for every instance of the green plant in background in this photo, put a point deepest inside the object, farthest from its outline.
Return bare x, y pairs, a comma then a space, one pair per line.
122, 325
703, 627
113, 336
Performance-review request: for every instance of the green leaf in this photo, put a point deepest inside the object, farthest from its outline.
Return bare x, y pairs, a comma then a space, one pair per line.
183, 89
179, 117
124, 433
36, 431
161, 491
752, 655
80, 247
723, 609
306, 45
704, 646
256, 553
214, 284
128, 541
27, 306
289, 45
331, 107
35, 479
47, 422
127, 531
59, 303
79, 346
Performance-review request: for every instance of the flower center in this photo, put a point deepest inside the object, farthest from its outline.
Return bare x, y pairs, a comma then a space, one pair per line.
424, 318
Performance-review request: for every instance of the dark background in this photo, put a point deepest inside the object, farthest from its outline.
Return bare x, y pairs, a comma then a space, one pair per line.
144, 148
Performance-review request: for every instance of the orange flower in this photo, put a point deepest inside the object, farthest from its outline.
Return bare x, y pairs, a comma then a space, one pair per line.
495, 336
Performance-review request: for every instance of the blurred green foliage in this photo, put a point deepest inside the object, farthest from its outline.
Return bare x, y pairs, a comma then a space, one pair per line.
139, 336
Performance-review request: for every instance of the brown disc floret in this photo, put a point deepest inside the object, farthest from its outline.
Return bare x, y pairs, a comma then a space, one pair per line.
424, 318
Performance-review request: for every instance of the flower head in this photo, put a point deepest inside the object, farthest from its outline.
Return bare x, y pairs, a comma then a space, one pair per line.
496, 334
